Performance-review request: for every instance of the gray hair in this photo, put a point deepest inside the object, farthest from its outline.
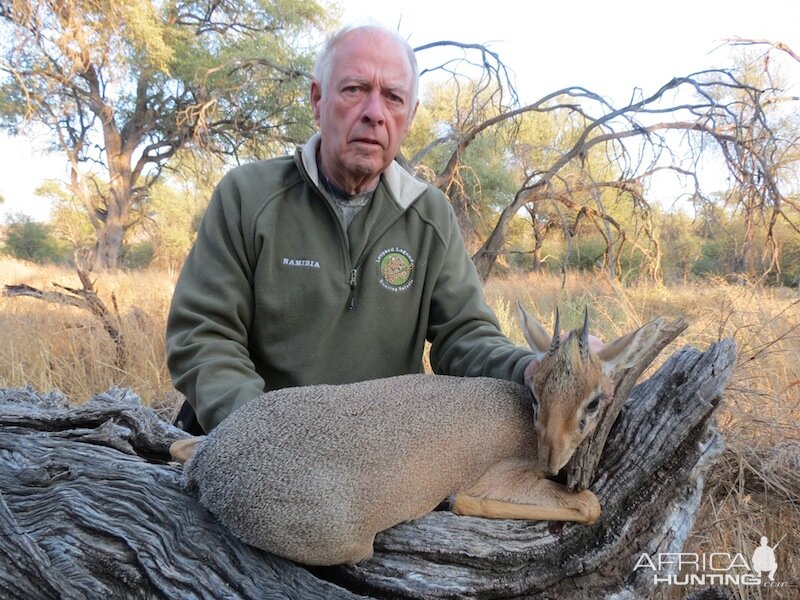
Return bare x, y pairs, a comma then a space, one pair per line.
324, 63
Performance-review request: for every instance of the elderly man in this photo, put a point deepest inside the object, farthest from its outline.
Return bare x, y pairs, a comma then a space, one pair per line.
334, 265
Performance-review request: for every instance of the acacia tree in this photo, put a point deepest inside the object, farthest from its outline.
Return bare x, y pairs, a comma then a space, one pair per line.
122, 86
671, 129
763, 193
482, 179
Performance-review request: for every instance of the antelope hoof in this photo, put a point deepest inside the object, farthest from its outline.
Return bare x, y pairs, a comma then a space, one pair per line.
589, 508
182, 450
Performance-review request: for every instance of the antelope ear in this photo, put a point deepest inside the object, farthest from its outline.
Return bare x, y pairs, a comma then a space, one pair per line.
627, 350
535, 334
182, 450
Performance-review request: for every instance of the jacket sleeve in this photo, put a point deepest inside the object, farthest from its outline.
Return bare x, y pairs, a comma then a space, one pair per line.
465, 335
211, 314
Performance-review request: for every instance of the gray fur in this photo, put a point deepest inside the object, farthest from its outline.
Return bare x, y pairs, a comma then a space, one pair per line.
313, 473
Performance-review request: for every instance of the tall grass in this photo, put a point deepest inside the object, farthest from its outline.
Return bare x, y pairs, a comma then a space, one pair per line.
55, 347
753, 490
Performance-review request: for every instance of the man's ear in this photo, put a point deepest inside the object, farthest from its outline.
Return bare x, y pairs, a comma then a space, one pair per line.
410, 120
413, 114
316, 96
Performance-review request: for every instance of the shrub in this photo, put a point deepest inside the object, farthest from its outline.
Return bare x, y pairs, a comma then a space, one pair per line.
137, 255
30, 240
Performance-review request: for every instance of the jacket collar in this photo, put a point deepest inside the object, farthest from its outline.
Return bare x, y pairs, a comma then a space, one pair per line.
402, 185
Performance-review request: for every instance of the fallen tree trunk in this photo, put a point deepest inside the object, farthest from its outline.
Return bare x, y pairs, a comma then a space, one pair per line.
91, 507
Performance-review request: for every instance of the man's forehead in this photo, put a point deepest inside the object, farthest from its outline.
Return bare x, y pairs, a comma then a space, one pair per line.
358, 53
373, 37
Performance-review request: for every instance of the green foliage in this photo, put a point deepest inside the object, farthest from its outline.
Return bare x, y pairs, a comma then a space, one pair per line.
148, 88
124, 86
712, 259
70, 223
177, 207
27, 239
137, 255
790, 275
587, 253
680, 245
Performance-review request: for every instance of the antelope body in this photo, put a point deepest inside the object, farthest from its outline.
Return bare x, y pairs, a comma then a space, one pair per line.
314, 473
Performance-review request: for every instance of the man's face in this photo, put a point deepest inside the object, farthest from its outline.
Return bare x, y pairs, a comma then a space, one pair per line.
366, 112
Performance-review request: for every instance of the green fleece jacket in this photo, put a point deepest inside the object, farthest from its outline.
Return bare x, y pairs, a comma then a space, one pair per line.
275, 293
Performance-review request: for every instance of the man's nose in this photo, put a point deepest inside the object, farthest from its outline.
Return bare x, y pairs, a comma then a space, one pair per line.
374, 108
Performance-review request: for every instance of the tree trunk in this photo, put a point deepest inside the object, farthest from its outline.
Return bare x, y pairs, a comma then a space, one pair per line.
91, 508
539, 231
109, 244
486, 256
115, 219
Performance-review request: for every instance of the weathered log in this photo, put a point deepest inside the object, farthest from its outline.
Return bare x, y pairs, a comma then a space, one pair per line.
91, 507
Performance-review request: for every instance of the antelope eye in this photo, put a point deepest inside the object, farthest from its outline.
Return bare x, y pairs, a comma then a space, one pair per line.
593, 405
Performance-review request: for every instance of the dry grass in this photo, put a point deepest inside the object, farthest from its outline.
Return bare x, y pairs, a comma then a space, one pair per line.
50, 346
754, 490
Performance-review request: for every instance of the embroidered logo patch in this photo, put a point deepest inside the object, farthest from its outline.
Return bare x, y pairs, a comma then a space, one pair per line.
396, 268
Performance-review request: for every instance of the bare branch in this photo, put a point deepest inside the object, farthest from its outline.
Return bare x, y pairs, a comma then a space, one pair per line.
739, 41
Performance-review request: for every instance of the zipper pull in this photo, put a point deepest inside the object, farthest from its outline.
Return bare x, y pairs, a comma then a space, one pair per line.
353, 281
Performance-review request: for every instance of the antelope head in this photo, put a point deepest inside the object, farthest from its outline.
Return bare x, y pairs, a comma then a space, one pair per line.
571, 384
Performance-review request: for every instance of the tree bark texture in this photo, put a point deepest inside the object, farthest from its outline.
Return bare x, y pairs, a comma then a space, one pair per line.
91, 507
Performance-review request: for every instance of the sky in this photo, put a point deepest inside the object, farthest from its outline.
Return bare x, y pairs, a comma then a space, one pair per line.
609, 47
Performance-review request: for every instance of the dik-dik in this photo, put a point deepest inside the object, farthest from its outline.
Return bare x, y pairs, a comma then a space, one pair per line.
313, 473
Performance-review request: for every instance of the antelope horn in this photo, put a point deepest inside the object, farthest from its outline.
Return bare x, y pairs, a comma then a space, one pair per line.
584, 339
556, 335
